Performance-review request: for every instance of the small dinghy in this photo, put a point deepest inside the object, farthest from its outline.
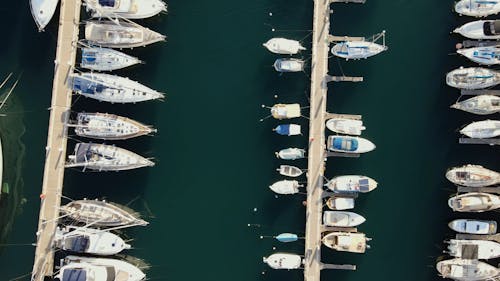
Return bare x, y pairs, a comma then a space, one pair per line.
285, 111
291, 153
288, 130
89, 241
342, 219
289, 171
345, 126
347, 144
480, 105
101, 157
101, 213
470, 226
466, 270
129, 9
340, 203
283, 46
481, 29
98, 269
473, 249
351, 183
104, 59
286, 187
43, 11
353, 242
287, 237
283, 261
472, 78
356, 50
482, 129
473, 176
112, 88
477, 8
474, 202
487, 55
289, 65
122, 35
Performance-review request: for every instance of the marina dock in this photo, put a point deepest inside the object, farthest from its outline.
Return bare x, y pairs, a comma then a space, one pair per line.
56, 139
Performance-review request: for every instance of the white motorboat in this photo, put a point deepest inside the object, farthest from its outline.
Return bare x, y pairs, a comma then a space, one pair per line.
481, 105
109, 126
289, 65
291, 153
473, 226
286, 187
120, 35
288, 130
285, 111
345, 126
351, 183
474, 202
357, 49
487, 55
472, 78
340, 203
353, 242
43, 11
89, 241
101, 213
98, 269
348, 144
466, 270
105, 59
481, 29
289, 171
283, 46
477, 8
101, 157
473, 249
473, 176
482, 129
112, 88
283, 261
130, 9
342, 219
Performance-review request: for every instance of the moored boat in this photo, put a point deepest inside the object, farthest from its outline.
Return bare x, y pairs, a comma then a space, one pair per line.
43, 11
288, 130
357, 49
342, 219
289, 171
477, 8
345, 126
285, 111
348, 144
86, 240
474, 202
466, 270
130, 9
472, 78
283, 261
482, 129
481, 105
286, 187
481, 29
105, 59
351, 183
473, 249
340, 203
353, 242
487, 55
291, 153
283, 46
471, 226
289, 65
473, 176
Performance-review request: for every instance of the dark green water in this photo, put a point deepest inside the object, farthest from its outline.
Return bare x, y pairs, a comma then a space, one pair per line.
215, 159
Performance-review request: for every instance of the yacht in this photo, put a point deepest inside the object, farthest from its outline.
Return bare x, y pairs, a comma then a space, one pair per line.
289, 65
130, 9
353, 242
109, 126
482, 129
120, 35
481, 29
98, 269
105, 59
285, 111
101, 157
474, 202
283, 46
473, 176
345, 126
477, 8
291, 153
283, 261
288, 130
472, 78
480, 105
466, 270
43, 11
85, 240
357, 49
487, 55
340, 203
112, 88
347, 144
342, 219
101, 213
471, 226
474, 249
351, 183
286, 187
290, 171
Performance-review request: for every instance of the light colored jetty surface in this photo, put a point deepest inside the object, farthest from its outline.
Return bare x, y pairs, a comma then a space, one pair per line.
343, 116
479, 141
491, 237
475, 43
489, 189
343, 79
333, 38
479, 92
56, 139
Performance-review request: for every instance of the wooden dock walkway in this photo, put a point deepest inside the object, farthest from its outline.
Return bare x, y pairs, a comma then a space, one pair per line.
492, 237
464, 189
479, 141
56, 139
479, 92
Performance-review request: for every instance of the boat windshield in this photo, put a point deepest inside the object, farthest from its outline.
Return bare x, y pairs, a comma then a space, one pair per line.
491, 27
79, 244
74, 275
364, 185
107, 3
87, 87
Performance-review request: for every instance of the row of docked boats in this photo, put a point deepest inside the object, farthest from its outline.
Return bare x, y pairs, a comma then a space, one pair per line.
283, 46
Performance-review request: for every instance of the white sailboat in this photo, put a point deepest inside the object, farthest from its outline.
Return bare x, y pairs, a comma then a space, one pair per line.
345, 126
98, 269
342, 219
43, 11
285, 111
291, 153
472, 78
487, 55
289, 65
283, 46
354, 242
477, 8
471, 226
473, 249
348, 144
481, 29
480, 105
474, 202
89, 241
130, 9
286, 187
473, 176
283, 261
482, 129
357, 49
105, 59
289, 171
466, 270
351, 183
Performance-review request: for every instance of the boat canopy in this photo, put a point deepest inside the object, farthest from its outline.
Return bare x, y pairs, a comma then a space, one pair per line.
107, 3
74, 275
88, 57
345, 144
79, 244
87, 87
364, 185
491, 27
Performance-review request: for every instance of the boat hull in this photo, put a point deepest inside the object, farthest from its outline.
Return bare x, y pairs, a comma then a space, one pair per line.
353, 242
469, 226
342, 219
473, 176
477, 8
291, 154
138, 9
482, 129
466, 270
348, 144
472, 78
482, 55
474, 202
345, 126
109, 127
104, 59
283, 46
283, 261
43, 11
340, 203
352, 183
357, 50
480, 105
475, 30
285, 187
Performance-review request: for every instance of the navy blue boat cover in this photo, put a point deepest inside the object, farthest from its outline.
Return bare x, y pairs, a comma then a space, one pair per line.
79, 244
86, 86
107, 3
74, 275
283, 129
346, 144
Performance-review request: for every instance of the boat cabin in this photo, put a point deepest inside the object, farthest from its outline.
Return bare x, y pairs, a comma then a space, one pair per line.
491, 28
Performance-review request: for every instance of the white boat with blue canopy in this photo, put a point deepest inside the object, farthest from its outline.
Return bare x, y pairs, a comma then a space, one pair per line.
77, 268
348, 144
472, 78
86, 240
477, 8
487, 55
288, 130
481, 29
480, 105
289, 65
43, 11
105, 59
130, 9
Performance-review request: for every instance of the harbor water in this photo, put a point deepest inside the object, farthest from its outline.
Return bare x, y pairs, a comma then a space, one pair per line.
207, 199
